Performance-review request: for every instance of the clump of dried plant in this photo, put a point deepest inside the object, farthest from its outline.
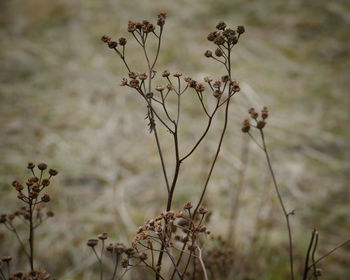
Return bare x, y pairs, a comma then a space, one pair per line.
34, 198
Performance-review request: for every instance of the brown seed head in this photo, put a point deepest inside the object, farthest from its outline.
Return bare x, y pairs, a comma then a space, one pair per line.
212, 36
42, 166
123, 82
92, 242
217, 84
207, 79
208, 53
177, 74
45, 182
103, 236
264, 113
53, 172
125, 263
232, 40
131, 26
160, 88
240, 29
133, 75
188, 206
3, 218
6, 259
260, 124
112, 44
18, 274
30, 165
219, 52
228, 32
143, 76
45, 198
203, 211
134, 83
165, 73
200, 87
122, 41
221, 25
110, 248
246, 126
149, 95
143, 256
217, 93
105, 39
219, 40
170, 87
119, 248
225, 78
193, 84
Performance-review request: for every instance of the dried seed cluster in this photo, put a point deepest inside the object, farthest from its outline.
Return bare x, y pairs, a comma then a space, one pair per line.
259, 123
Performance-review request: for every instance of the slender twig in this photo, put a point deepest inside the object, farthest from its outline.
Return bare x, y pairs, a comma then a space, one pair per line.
313, 255
31, 235
306, 269
215, 159
202, 263
13, 229
286, 214
330, 252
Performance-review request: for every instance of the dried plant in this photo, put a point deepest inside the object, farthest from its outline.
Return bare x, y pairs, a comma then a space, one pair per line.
156, 100
259, 124
31, 214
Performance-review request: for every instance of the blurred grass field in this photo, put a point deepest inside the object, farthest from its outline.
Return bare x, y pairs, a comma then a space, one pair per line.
61, 103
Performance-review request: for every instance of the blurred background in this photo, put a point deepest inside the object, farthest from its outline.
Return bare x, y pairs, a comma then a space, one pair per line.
61, 103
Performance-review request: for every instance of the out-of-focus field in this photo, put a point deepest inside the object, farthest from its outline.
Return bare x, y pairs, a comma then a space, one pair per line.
61, 103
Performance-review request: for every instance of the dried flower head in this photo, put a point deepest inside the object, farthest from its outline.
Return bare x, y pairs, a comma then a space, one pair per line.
246, 126
6, 259
208, 53
122, 41
30, 165
103, 236
240, 29
165, 73
92, 242
221, 25
105, 39
112, 44
42, 166
219, 52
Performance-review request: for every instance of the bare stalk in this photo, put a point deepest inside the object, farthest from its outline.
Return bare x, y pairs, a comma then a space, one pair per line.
286, 214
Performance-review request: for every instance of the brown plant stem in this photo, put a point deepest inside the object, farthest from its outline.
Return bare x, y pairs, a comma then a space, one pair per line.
286, 214
306, 269
31, 235
330, 252
215, 158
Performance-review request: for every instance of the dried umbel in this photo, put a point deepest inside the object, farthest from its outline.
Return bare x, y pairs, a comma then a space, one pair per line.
32, 195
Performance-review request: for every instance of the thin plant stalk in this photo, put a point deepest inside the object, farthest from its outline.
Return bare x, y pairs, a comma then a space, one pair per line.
286, 214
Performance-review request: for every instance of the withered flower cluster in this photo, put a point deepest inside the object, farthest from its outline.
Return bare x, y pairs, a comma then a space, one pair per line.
33, 275
172, 233
33, 195
259, 123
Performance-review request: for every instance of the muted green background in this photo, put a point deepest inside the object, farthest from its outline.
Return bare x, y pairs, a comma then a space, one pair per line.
60, 102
